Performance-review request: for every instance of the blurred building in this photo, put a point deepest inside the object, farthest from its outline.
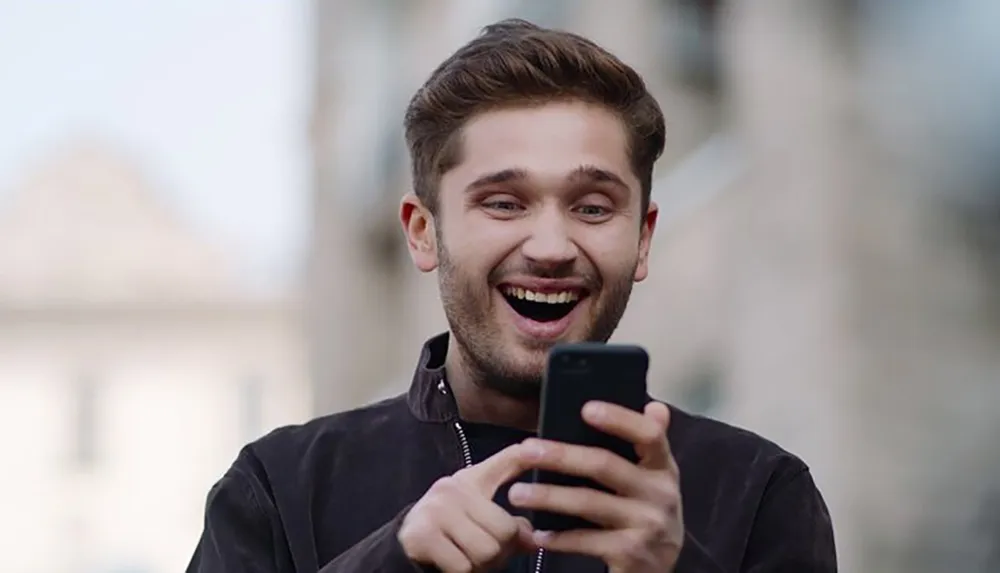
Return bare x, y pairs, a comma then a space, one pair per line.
133, 367
819, 275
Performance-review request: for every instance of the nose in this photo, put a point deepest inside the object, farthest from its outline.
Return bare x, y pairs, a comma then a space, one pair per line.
550, 243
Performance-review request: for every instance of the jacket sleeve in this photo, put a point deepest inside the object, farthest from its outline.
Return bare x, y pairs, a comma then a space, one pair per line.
380, 551
792, 531
243, 534
238, 534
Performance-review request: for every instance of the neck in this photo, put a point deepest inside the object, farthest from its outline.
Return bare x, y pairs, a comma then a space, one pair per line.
477, 403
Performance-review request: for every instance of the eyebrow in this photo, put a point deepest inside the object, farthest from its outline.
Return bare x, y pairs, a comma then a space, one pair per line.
592, 174
583, 174
498, 177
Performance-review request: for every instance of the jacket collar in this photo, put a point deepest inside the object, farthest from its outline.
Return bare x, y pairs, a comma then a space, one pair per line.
429, 397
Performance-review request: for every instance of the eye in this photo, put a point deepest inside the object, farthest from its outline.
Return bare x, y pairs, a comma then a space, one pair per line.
503, 205
593, 211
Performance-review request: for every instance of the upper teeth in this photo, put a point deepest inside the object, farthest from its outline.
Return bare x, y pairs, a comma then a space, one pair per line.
549, 297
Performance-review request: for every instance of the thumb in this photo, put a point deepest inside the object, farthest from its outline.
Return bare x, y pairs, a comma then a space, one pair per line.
525, 540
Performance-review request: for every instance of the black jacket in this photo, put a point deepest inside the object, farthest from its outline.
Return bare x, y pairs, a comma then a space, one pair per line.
329, 496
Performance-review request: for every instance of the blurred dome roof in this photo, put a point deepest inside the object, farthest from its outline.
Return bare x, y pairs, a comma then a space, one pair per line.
85, 227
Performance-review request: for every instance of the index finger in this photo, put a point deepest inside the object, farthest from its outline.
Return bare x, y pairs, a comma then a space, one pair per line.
659, 453
647, 430
498, 469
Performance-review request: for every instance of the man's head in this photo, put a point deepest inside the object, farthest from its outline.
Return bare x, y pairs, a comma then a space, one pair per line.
532, 153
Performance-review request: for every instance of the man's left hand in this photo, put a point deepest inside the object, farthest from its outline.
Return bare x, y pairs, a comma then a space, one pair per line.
643, 522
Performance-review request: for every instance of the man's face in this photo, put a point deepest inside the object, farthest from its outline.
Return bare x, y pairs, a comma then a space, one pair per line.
538, 238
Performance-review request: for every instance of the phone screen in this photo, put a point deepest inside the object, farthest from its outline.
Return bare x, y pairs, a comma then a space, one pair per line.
577, 374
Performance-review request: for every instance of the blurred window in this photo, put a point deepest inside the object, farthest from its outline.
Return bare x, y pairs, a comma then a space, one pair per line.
251, 405
990, 517
85, 421
703, 391
694, 42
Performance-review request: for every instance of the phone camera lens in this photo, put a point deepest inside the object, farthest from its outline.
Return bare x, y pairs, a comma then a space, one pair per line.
582, 362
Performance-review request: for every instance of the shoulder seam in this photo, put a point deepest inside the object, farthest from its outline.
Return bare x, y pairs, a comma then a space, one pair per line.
782, 483
247, 486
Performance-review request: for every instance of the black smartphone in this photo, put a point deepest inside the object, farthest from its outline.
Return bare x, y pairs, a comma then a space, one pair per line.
576, 374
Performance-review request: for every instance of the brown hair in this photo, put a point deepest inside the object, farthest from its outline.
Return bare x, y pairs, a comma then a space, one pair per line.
515, 62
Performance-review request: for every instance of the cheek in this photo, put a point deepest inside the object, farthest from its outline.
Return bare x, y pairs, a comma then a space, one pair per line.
458, 250
620, 270
481, 241
614, 254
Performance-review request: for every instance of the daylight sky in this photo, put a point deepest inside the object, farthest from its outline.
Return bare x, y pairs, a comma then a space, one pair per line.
209, 97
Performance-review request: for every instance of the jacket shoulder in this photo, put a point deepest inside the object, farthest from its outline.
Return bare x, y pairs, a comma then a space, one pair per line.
700, 440
320, 436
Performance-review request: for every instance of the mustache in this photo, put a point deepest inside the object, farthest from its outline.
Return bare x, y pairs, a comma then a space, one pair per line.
570, 270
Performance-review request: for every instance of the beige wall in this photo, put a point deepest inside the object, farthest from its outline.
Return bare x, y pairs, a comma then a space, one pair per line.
167, 425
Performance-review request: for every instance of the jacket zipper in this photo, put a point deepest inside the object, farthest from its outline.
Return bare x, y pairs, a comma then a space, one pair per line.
538, 560
467, 460
466, 450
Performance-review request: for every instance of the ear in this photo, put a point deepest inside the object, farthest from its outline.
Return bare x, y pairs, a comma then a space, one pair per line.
645, 241
421, 238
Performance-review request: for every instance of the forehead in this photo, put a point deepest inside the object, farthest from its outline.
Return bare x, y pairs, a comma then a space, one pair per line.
550, 141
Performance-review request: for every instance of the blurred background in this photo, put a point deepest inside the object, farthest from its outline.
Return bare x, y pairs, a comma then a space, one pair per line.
198, 244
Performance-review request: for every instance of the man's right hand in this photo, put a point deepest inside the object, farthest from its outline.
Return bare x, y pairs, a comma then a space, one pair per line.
457, 527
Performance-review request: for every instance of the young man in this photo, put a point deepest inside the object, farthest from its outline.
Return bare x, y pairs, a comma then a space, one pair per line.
532, 154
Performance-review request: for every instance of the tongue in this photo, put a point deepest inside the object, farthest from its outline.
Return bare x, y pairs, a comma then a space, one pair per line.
540, 311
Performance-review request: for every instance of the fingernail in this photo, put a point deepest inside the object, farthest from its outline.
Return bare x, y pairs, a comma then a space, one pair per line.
519, 492
593, 410
541, 537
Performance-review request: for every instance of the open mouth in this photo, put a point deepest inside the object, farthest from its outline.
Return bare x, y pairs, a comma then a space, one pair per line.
541, 306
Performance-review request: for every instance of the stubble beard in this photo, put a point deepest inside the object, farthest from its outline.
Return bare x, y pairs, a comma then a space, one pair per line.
468, 310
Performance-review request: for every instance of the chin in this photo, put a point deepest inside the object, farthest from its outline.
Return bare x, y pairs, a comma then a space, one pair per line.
529, 356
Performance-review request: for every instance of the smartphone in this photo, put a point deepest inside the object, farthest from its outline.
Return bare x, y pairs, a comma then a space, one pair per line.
576, 374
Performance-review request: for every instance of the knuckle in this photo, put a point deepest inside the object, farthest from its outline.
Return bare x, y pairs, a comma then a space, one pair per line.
633, 546
509, 529
670, 502
673, 503
675, 512
428, 506
446, 489
653, 519
649, 434
415, 523
490, 550
445, 484
652, 437
415, 539
484, 554
665, 489
673, 468
603, 463
550, 451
